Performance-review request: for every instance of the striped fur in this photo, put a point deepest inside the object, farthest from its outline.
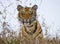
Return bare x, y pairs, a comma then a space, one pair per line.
31, 29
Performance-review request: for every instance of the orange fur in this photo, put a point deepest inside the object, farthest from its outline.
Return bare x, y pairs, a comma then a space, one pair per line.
29, 32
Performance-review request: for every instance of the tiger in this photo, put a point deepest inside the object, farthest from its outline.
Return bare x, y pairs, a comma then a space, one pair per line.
31, 28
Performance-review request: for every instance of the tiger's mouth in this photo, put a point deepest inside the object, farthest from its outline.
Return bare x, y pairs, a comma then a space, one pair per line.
29, 23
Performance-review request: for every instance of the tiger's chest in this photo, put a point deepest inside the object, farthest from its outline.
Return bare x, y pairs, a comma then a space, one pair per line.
29, 37
32, 32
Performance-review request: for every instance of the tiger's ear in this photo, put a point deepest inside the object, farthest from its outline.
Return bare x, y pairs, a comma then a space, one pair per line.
35, 7
19, 7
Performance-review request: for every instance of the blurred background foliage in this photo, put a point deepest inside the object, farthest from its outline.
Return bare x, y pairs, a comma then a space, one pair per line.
9, 36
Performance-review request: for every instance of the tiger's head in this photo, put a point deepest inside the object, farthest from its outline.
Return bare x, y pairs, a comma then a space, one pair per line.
27, 14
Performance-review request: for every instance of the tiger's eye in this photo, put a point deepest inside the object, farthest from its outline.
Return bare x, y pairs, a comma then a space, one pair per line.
30, 12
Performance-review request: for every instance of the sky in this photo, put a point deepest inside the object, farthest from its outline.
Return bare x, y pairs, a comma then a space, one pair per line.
47, 9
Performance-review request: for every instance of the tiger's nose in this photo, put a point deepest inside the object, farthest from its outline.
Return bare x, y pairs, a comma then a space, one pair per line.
28, 21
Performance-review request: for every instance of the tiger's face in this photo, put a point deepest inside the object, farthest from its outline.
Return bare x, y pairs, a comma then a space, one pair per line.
27, 14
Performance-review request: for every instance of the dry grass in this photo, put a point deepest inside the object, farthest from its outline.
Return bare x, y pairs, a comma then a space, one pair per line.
19, 40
